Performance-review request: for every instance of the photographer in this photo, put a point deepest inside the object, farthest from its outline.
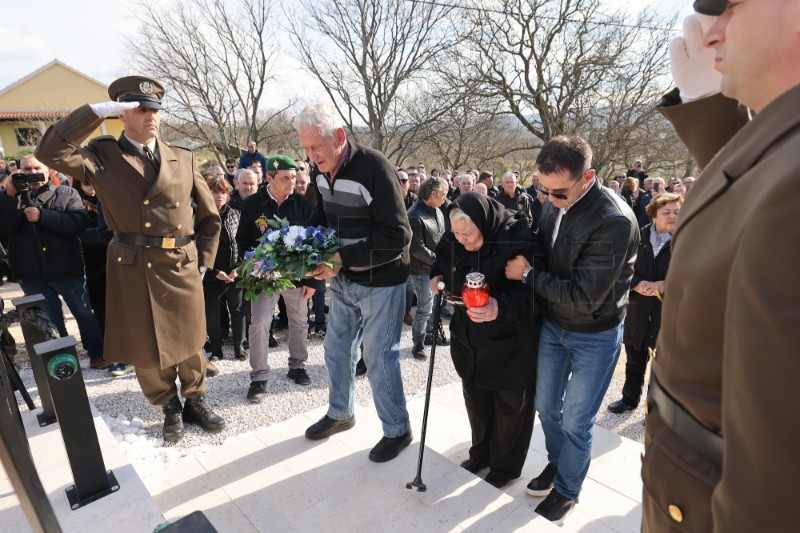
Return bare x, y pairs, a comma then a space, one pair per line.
43, 221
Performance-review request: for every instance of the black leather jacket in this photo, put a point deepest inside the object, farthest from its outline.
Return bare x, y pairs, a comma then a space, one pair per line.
590, 267
427, 227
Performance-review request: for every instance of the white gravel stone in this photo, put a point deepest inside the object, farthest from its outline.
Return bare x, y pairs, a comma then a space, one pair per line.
130, 437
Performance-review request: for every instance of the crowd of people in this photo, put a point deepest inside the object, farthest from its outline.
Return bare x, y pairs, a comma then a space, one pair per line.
570, 270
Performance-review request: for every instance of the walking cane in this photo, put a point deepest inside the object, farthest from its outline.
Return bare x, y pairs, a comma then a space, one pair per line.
437, 320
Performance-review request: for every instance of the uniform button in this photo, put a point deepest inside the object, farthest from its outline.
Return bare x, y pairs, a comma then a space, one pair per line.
675, 513
177, 204
178, 264
180, 226
146, 202
119, 260
146, 224
149, 265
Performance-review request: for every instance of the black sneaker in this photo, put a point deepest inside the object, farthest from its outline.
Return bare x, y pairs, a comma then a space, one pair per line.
257, 392
390, 447
327, 426
299, 376
361, 367
196, 411
428, 339
419, 351
542, 485
272, 342
556, 507
496, 481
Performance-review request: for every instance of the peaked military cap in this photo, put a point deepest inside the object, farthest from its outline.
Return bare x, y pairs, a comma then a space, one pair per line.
280, 162
147, 91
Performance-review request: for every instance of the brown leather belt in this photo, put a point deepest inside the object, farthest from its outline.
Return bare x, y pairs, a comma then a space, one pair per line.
705, 442
135, 239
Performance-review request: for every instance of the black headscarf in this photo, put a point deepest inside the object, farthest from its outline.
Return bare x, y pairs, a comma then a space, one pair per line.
486, 213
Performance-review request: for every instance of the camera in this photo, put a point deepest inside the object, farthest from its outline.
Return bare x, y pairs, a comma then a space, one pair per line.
21, 181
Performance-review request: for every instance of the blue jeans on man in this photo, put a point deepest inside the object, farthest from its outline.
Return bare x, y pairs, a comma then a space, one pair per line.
77, 299
423, 320
574, 371
374, 315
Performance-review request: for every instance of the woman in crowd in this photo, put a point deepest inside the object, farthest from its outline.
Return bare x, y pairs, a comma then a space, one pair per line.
219, 282
494, 347
644, 310
632, 195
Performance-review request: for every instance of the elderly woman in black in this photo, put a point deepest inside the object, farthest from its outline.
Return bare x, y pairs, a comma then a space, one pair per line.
493, 346
219, 282
644, 309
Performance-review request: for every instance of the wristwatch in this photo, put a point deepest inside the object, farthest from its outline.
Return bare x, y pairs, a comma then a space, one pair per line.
525, 274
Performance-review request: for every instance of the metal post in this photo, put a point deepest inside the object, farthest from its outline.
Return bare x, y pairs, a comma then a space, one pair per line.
34, 335
92, 480
15, 455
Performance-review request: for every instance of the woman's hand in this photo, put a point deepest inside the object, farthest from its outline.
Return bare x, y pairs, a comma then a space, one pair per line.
487, 313
658, 287
515, 267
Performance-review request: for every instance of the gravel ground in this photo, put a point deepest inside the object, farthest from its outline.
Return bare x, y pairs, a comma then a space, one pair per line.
123, 406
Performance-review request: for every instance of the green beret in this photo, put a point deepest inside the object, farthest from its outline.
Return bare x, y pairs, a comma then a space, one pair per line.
280, 162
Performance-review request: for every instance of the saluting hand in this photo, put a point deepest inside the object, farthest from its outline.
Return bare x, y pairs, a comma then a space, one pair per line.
112, 109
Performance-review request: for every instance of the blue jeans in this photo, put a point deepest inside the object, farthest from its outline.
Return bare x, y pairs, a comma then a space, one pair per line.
423, 320
375, 314
77, 299
568, 405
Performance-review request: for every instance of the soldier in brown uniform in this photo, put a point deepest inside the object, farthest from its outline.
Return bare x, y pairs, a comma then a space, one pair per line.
722, 431
161, 246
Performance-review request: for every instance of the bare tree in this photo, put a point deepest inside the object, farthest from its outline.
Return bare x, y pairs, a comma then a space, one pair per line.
370, 57
215, 57
566, 67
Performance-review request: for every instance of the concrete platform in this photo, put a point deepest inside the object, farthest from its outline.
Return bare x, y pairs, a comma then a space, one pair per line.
276, 480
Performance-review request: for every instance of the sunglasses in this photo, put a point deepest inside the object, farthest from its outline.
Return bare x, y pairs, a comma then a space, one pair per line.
559, 195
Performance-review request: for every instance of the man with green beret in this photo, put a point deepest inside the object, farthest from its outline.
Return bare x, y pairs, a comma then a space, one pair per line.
161, 245
277, 198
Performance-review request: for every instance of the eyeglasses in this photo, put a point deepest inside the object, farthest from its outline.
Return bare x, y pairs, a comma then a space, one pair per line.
559, 195
403, 180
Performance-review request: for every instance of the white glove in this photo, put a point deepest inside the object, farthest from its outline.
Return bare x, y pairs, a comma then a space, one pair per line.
112, 109
693, 65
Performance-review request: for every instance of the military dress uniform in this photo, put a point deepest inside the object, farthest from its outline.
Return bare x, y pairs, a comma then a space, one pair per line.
166, 227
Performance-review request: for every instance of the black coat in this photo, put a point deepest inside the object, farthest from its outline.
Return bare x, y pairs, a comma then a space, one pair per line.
63, 219
644, 312
227, 252
500, 354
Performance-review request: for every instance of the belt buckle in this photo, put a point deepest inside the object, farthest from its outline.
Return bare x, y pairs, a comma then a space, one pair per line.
168, 242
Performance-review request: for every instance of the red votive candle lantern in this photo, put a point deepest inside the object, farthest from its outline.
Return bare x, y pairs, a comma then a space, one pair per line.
475, 290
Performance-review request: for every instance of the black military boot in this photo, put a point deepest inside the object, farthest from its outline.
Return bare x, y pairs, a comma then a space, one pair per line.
239, 352
173, 423
196, 411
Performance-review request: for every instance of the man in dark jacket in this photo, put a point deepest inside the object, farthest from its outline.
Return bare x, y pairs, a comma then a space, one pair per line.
514, 197
279, 199
590, 238
427, 227
46, 254
359, 196
252, 155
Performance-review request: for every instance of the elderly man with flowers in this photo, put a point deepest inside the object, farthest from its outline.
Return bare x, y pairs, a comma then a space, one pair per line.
277, 199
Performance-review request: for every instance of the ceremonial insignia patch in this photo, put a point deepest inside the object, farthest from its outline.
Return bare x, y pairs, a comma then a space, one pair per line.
276, 164
146, 87
262, 224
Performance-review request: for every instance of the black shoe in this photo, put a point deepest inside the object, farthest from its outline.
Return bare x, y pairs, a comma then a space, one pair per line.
496, 481
240, 352
299, 376
556, 507
327, 426
543, 484
226, 335
246, 344
257, 392
428, 339
173, 421
474, 465
620, 407
272, 342
361, 367
216, 353
419, 351
196, 411
441, 337
390, 447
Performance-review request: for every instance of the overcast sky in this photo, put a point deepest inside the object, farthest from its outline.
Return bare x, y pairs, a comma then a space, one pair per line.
88, 35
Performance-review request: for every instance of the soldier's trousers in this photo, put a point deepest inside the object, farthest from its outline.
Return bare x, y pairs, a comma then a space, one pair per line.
158, 385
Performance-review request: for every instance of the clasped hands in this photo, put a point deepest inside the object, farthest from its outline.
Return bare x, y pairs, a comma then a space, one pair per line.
487, 313
650, 288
